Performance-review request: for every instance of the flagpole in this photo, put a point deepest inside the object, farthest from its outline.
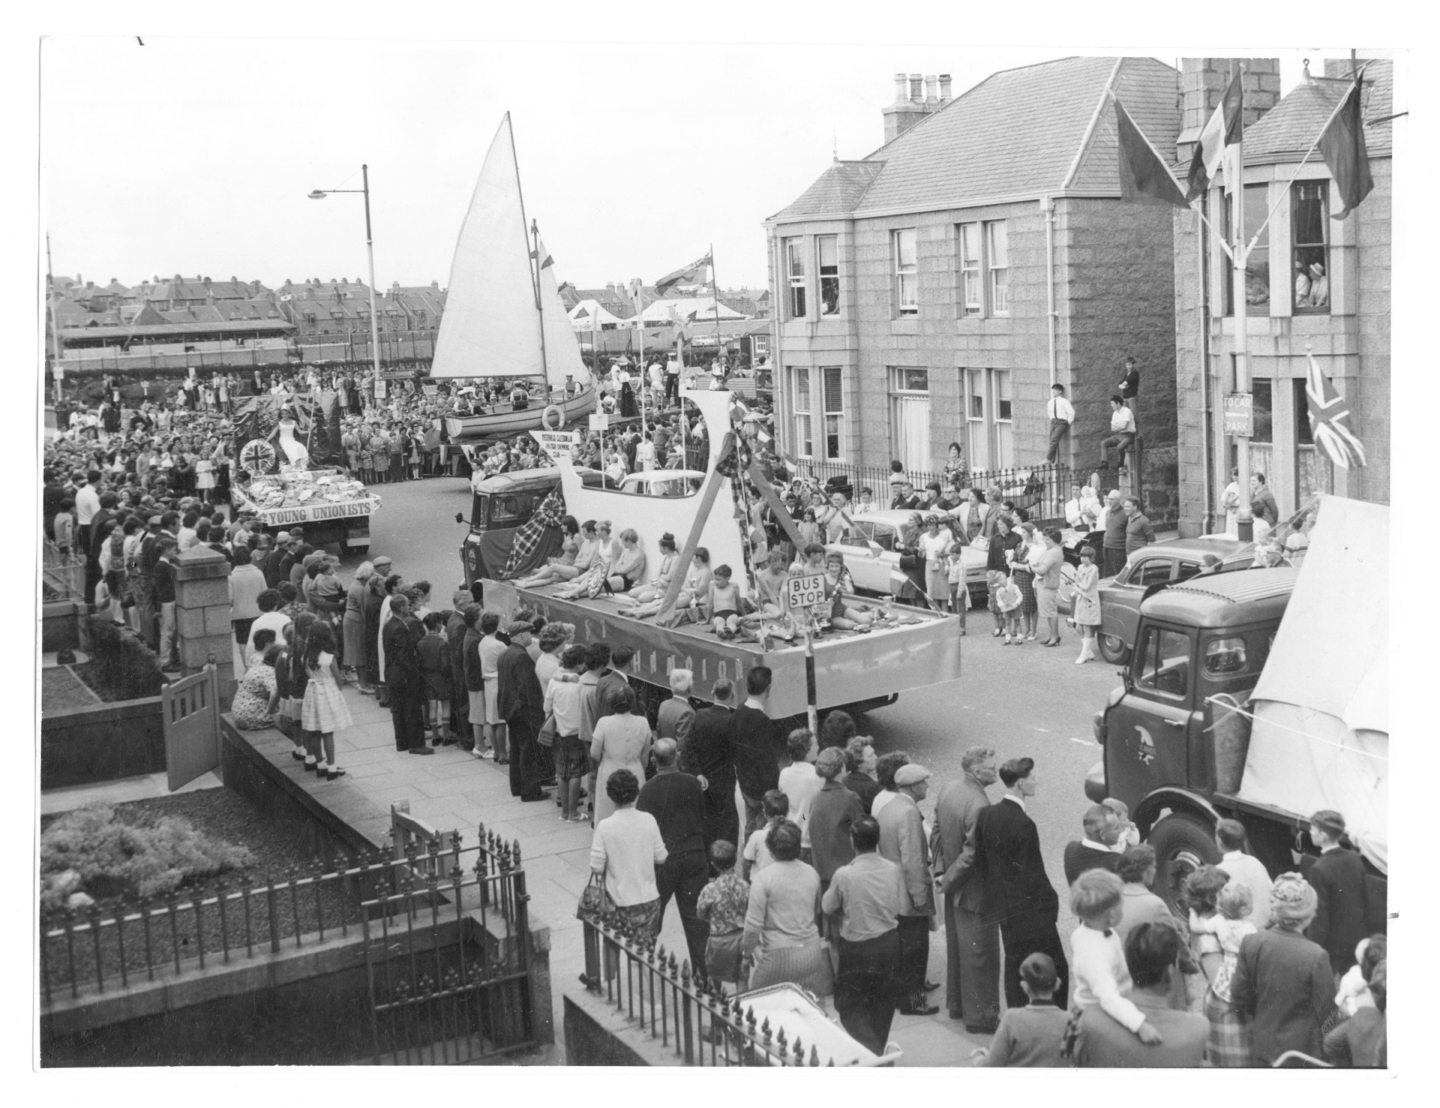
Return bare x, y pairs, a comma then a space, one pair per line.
536, 262
1245, 522
715, 297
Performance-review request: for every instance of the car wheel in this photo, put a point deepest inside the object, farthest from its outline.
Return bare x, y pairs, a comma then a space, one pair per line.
1113, 649
1182, 845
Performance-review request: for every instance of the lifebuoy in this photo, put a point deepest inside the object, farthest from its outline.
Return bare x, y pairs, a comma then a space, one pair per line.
552, 410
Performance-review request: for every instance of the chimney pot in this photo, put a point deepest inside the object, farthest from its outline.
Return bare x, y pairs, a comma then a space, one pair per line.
930, 88
915, 86
944, 87
901, 87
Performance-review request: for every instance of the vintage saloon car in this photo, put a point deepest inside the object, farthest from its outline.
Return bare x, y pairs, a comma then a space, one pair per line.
871, 558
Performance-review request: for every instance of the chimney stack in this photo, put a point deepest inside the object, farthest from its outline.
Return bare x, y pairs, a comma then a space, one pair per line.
1203, 82
944, 88
915, 98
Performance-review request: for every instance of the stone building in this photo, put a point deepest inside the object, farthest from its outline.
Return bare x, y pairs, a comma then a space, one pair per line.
1347, 330
933, 290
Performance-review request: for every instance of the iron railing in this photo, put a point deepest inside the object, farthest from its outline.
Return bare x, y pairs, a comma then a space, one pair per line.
62, 576
398, 904
666, 1000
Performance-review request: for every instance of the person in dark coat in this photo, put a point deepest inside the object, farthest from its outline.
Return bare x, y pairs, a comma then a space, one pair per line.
860, 764
972, 942
1096, 849
1018, 894
1114, 521
460, 697
404, 678
709, 754
833, 811
759, 746
370, 618
1338, 878
1282, 980
522, 707
677, 802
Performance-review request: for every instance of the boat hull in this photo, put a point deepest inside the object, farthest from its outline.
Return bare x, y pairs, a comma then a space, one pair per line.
511, 422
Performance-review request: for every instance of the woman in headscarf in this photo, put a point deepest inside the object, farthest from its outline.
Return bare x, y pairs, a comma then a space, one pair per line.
1283, 981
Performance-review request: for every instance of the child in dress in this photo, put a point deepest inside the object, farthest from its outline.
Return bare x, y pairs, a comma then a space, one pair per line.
1100, 976
434, 651
1008, 599
1229, 924
323, 711
808, 528
776, 806
292, 680
1087, 603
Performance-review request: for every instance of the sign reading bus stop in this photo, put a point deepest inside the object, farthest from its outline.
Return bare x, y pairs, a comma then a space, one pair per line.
805, 591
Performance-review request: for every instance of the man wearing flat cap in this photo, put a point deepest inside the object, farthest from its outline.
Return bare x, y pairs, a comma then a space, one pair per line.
522, 707
904, 842
1338, 878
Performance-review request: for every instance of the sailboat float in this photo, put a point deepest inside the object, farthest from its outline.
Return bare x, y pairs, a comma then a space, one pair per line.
503, 314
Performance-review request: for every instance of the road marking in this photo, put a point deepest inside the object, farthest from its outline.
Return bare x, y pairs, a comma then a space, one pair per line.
1043, 730
1084, 742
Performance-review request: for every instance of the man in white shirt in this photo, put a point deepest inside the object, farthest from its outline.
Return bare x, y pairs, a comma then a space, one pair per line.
800, 783
87, 503
1081, 512
1061, 414
1245, 868
1122, 432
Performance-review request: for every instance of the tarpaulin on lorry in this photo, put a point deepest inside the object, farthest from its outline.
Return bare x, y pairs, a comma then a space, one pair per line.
1321, 735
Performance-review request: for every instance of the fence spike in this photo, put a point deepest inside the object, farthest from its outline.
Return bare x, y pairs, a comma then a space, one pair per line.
814, 1055
455, 839
765, 1029
799, 1052
517, 853
780, 1042
673, 966
685, 977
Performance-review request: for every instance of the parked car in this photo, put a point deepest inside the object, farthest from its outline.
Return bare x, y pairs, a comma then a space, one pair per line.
871, 558
1160, 563
663, 482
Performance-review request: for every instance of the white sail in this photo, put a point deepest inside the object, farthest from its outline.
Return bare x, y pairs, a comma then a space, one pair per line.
562, 347
490, 327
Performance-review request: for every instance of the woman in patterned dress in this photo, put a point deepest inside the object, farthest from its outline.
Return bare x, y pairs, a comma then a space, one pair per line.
1025, 580
256, 699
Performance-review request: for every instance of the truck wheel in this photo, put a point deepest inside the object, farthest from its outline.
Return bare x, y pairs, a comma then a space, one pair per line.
1182, 845
1113, 649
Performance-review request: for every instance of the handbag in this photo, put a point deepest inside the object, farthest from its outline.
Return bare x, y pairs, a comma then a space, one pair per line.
547, 731
594, 900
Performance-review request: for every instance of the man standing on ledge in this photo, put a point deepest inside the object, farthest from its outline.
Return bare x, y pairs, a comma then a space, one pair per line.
1062, 414
1122, 433
521, 703
1129, 385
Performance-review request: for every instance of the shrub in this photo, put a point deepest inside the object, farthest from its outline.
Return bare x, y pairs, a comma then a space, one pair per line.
121, 667
113, 858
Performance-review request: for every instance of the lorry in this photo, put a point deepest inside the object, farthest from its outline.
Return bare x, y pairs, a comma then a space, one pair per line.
326, 503
1260, 695
858, 671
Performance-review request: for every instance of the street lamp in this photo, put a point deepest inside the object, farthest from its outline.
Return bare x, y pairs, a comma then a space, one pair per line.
320, 194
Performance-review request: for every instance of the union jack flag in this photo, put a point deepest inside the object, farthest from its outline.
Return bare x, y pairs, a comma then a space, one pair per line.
1329, 412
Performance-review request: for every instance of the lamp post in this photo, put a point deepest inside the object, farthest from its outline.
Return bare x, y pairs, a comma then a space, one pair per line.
320, 194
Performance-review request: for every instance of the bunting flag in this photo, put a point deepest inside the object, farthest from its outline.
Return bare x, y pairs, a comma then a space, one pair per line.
1329, 413
696, 273
1342, 144
1144, 176
1217, 140
540, 254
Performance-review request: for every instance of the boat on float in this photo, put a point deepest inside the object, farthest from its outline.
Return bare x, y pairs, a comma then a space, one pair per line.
504, 318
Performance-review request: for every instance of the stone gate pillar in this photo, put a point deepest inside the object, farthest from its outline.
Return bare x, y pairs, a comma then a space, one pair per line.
202, 616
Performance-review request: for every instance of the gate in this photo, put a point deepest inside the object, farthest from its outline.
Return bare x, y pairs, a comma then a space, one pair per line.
190, 711
447, 954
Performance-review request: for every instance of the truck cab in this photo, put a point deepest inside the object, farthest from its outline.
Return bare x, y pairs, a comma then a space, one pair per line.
500, 506
1172, 750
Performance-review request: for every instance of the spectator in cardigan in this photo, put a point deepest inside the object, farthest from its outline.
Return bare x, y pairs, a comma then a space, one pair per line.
1137, 873
863, 903
1230, 838
247, 582
721, 906
1138, 531
1031, 1036
834, 810
886, 767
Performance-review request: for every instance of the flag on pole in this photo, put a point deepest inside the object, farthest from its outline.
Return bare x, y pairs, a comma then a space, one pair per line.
693, 274
1144, 175
679, 321
1217, 141
540, 253
1328, 415
1342, 144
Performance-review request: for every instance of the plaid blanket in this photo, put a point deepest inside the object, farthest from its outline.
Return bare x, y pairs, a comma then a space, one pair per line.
527, 538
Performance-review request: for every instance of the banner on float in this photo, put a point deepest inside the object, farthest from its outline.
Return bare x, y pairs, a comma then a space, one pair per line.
558, 444
314, 513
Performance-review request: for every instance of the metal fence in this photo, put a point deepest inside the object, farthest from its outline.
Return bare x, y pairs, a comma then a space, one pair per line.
1041, 490
440, 989
62, 576
666, 1000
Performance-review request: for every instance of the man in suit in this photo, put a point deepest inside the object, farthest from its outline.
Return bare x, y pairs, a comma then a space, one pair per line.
677, 801
972, 942
902, 840
404, 678
521, 702
1018, 894
1097, 849
709, 754
759, 746
1338, 878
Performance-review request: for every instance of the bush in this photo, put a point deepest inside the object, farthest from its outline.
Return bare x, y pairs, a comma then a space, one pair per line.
120, 667
113, 858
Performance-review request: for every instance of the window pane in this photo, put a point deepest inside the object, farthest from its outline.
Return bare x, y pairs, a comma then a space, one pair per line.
832, 437
977, 440
833, 393
827, 252
1264, 410
1304, 435
1309, 223
1002, 394
912, 379
970, 268
906, 273
795, 269
905, 247
998, 248
1166, 666
1225, 657
1257, 265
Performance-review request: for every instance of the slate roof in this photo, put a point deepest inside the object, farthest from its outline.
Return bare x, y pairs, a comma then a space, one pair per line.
1286, 131
1018, 133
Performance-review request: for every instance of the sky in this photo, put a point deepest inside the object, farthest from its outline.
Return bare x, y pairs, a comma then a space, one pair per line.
193, 154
